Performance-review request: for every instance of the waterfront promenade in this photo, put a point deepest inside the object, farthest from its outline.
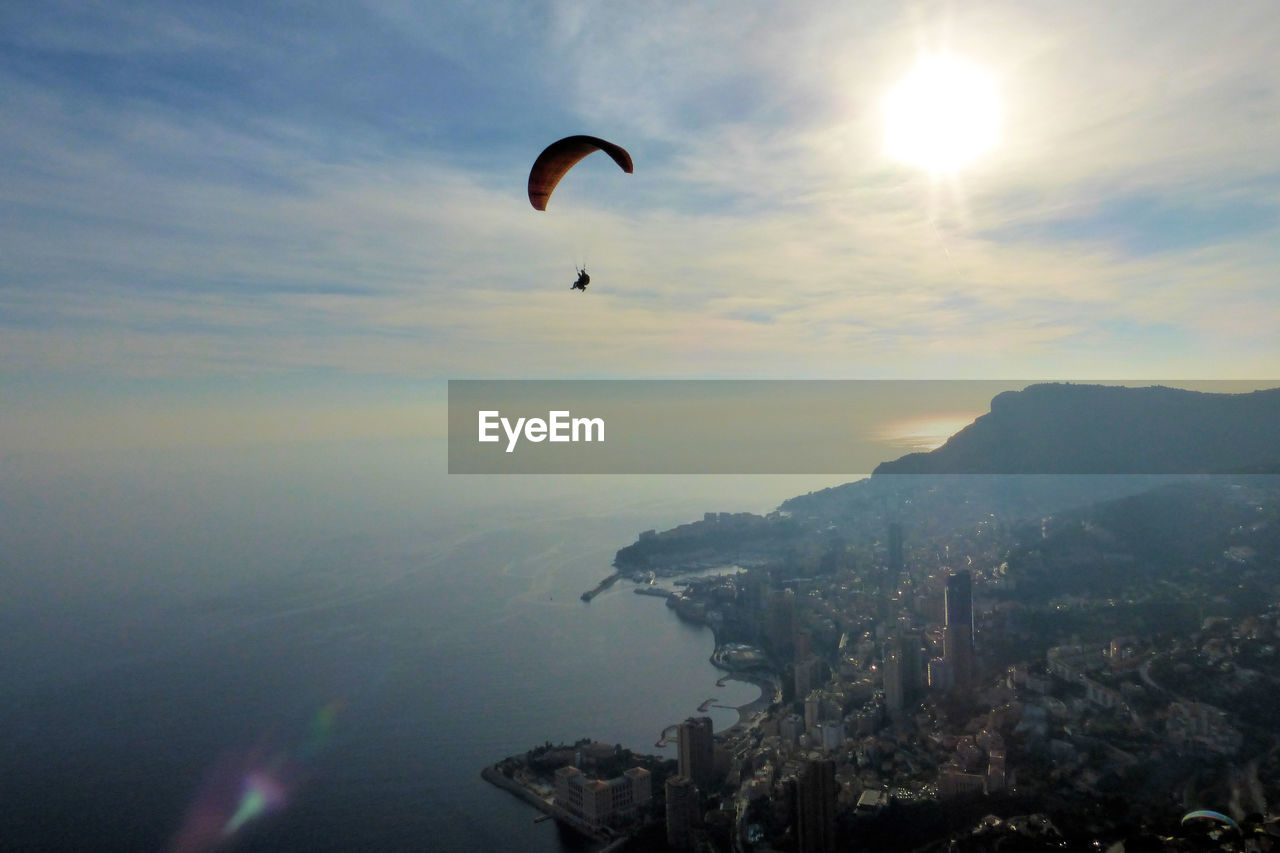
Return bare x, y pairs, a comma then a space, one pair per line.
750, 713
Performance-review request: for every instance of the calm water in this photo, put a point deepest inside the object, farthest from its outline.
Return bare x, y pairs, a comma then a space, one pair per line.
363, 689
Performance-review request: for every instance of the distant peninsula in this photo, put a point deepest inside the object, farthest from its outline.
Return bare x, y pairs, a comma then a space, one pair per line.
1103, 429
1140, 437
719, 538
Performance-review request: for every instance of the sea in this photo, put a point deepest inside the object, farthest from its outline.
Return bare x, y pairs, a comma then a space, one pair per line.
348, 696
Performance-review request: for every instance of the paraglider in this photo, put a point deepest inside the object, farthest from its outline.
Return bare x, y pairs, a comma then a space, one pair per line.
555, 161
1215, 819
559, 157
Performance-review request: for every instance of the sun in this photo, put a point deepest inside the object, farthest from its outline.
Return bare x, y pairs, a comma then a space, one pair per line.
942, 116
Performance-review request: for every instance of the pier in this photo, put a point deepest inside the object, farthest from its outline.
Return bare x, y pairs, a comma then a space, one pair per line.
601, 587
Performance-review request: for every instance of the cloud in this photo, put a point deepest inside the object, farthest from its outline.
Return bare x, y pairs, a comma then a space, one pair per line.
220, 192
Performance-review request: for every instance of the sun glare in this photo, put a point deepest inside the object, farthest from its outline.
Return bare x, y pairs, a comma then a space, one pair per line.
925, 433
942, 116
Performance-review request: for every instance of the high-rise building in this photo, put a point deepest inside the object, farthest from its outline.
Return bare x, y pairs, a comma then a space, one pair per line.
816, 792
895, 547
809, 676
940, 675
682, 812
812, 709
755, 592
957, 635
779, 625
803, 643
894, 689
995, 770
697, 751
791, 727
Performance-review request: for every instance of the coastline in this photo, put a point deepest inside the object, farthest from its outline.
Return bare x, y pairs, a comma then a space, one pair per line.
748, 715
495, 777
767, 682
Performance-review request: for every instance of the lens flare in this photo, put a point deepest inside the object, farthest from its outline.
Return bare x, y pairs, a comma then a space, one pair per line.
245, 787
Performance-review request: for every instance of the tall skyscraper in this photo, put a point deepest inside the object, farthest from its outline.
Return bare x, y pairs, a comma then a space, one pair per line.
697, 751
779, 626
682, 812
895, 547
755, 592
816, 807
809, 676
803, 642
957, 636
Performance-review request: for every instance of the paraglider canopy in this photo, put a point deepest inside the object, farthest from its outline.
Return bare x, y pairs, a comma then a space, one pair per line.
559, 157
1211, 816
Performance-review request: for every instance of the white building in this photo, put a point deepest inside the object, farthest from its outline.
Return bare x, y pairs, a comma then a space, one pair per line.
597, 803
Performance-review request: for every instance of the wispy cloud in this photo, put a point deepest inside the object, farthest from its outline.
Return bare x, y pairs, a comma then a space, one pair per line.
245, 190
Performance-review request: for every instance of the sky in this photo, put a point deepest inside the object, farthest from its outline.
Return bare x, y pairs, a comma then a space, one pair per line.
233, 224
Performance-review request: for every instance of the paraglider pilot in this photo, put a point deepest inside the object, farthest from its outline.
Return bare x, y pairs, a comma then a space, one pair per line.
582, 282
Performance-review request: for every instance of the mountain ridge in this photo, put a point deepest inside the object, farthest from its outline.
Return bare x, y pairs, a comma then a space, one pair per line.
1061, 428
